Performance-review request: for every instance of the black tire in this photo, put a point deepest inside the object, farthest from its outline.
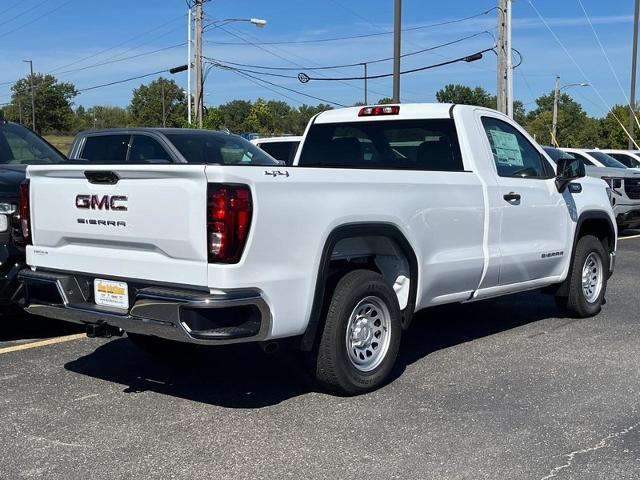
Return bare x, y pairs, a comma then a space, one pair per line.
576, 304
334, 369
161, 348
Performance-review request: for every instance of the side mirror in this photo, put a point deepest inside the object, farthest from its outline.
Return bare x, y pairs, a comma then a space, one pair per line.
568, 169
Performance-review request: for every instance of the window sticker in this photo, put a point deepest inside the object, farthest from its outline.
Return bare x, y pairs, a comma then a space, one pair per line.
506, 148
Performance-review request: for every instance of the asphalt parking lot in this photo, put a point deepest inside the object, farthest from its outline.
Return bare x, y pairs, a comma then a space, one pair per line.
499, 389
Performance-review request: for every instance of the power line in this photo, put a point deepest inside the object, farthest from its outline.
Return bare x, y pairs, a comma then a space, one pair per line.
24, 12
282, 86
108, 62
113, 61
582, 72
255, 82
123, 81
357, 64
288, 60
466, 58
367, 35
97, 54
49, 12
615, 75
18, 3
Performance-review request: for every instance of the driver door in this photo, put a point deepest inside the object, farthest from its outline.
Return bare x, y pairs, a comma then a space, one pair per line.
534, 225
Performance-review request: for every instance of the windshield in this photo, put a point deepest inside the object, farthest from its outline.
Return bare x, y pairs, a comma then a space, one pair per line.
556, 154
20, 146
606, 160
219, 148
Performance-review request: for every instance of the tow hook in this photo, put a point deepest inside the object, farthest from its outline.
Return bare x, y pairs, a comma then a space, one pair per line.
102, 330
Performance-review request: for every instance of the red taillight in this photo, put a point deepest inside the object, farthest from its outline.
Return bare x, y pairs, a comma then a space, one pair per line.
25, 212
379, 110
228, 220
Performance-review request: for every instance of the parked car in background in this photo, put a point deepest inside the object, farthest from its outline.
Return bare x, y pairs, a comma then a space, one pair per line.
595, 158
623, 182
398, 208
629, 158
162, 145
280, 148
19, 147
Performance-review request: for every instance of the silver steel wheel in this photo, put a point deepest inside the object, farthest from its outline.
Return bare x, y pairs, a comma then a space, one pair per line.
368, 333
592, 277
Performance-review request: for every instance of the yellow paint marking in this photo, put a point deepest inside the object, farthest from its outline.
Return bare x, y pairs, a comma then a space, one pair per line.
42, 343
629, 238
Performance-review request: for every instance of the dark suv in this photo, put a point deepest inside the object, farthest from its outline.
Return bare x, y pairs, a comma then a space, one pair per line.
19, 147
163, 145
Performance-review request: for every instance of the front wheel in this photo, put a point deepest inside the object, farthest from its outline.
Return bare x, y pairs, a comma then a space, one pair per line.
361, 335
587, 279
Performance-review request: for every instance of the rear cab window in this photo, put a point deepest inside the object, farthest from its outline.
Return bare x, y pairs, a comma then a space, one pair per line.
106, 148
429, 144
145, 149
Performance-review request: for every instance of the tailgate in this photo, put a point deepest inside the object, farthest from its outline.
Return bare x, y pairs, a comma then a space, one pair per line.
138, 222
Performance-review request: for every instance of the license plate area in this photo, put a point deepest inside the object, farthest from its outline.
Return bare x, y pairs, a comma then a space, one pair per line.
108, 293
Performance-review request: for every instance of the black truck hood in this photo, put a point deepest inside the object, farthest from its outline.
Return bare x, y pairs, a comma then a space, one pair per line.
11, 176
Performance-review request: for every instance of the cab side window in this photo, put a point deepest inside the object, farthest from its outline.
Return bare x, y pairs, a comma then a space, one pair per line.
513, 154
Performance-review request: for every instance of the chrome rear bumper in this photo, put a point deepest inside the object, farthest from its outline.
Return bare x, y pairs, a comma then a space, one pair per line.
183, 315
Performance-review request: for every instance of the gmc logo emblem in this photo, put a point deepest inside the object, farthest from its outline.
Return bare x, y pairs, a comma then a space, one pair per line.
102, 202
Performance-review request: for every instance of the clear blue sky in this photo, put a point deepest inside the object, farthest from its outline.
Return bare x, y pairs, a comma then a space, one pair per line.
63, 35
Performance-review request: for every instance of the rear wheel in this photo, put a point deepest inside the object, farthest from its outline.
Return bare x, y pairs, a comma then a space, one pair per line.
587, 279
361, 335
162, 348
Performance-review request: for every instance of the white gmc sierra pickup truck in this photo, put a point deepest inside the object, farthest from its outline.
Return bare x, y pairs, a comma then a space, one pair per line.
387, 210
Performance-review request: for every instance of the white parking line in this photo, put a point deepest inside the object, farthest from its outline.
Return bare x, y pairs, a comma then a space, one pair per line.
629, 238
42, 343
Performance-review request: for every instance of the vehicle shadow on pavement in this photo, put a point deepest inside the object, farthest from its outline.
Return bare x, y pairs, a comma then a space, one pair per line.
17, 326
242, 376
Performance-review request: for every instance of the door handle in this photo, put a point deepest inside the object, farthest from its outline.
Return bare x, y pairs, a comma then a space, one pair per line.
512, 197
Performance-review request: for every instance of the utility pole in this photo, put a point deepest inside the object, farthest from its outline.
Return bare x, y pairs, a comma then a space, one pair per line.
164, 108
501, 69
20, 111
33, 96
366, 97
198, 72
554, 125
189, 63
397, 48
509, 62
634, 60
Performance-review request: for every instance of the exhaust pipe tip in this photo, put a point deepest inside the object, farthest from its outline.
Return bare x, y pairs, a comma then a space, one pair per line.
269, 347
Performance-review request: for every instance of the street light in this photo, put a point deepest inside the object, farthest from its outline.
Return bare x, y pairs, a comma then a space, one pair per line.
258, 22
200, 28
556, 99
33, 96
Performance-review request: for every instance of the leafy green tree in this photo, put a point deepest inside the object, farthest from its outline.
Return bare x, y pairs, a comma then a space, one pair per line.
234, 115
147, 100
612, 133
572, 121
53, 101
461, 94
385, 101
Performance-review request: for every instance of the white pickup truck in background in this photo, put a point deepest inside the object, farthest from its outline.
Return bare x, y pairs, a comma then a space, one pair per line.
386, 211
